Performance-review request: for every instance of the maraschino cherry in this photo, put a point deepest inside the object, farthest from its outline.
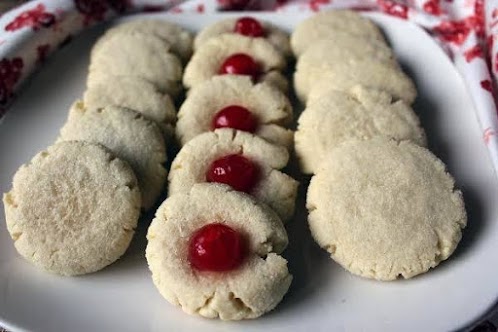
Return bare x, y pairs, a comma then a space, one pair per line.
240, 64
216, 247
234, 170
236, 117
249, 26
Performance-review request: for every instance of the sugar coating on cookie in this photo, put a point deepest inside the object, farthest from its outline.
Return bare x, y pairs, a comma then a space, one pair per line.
274, 188
144, 56
337, 117
327, 23
207, 60
178, 39
250, 290
270, 107
134, 93
129, 136
313, 79
73, 209
274, 35
384, 209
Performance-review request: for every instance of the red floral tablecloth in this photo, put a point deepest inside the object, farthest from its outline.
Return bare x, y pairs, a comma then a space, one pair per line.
466, 29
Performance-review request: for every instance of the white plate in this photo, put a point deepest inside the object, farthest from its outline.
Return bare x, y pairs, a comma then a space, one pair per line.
323, 296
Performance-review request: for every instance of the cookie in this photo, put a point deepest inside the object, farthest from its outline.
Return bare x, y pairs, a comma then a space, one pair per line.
135, 93
277, 79
261, 58
313, 79
268, 109
246, 26
337, 117
178, 39
144, 56
246, 161
344, 47
328, 23
129, 136
73, 209
246, 291
385, 209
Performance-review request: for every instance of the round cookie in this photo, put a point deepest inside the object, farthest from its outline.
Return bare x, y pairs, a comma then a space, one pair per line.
73, 209
134, 93
327, 23
144, 56
313, 79
274, 188
250, 290
129, 136
384, 209
207, 60
275, 36
337, 117
268, 104
178, 39
344, 47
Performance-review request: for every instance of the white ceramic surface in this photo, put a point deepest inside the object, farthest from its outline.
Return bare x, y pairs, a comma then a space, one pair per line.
323, 296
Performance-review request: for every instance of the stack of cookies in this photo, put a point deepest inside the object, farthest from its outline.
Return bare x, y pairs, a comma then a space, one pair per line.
227, 193
379, 202
74, 208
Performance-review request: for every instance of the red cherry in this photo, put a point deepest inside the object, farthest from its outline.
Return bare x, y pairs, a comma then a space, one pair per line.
240, 64
249, 26
235, 170
216, 247
236, 117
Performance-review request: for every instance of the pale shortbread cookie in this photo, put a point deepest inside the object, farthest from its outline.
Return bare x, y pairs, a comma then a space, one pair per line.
135, 93
362, 114
344, 47
207, 60
384, 209
178, 39
249, 291
73, 209
274, 188
268, 104
127, 134
277, 79
327, 23
144, 56
277, 37
314, 78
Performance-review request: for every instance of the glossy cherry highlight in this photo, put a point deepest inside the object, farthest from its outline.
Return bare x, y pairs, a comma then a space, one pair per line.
236, 117
240, 64
216, 247
234, 170
249, 26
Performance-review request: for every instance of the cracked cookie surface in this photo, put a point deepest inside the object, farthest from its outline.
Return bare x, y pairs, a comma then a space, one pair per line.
73, 209
269, 105
275, 36
336, 117
250, 290
144, 56
129, 136
343, 69
206, 61
134, 93
327, 23
384, 209
274, 188
178, 39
